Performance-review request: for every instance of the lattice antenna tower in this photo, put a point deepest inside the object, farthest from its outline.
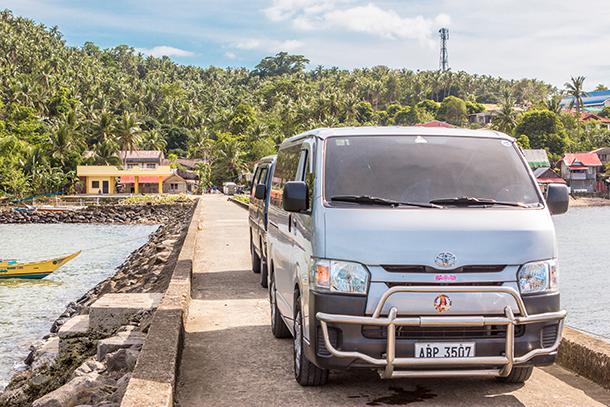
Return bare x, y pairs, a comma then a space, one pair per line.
444, 61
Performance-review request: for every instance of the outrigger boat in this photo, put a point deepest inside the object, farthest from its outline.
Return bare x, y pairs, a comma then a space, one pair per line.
35, 269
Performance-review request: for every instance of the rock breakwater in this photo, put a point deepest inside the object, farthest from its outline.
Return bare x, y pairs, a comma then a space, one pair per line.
88, 371
112, 214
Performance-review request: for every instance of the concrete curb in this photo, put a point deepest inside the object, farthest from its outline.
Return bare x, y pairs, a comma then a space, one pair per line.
585, 355
240, 203
154, 377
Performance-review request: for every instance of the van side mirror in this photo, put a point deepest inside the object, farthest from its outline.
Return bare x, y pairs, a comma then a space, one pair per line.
294, 198
557, 198
261, 191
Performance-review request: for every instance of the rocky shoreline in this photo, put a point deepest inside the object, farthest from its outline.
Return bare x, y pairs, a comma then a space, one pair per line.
112, 214
93, 369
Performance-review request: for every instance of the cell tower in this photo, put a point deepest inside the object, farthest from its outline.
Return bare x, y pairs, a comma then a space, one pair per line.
444, 61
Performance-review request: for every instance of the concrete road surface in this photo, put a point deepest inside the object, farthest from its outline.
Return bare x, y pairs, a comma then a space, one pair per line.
231, 358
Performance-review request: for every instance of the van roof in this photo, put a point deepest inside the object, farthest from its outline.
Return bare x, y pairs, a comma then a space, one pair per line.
324, 133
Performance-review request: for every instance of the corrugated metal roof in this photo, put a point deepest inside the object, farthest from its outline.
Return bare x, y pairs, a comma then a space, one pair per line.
586, 159
594, 98
537, 158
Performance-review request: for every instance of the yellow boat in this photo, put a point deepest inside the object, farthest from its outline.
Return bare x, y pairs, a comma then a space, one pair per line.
35, 269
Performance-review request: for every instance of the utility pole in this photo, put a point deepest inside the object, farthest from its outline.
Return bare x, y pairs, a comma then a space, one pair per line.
444, 61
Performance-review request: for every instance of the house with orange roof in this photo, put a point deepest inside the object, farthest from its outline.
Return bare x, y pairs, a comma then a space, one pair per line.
580, 170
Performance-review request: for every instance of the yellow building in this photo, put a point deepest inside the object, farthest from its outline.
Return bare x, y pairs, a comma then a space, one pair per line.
102, 178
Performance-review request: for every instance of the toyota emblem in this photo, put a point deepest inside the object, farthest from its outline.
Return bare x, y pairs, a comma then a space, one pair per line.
445, 259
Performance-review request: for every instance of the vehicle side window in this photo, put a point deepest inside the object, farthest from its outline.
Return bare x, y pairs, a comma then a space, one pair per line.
263, 178
285, 170
255, 179
309, 178
306, 175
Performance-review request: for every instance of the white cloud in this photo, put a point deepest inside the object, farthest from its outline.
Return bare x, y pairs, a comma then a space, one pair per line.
268, 45
230, 55
250, 44
165, 50
288, 46
310, 15
285, 9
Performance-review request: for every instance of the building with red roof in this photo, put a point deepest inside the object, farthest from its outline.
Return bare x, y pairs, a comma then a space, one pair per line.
600, 122
436, 123
580, 170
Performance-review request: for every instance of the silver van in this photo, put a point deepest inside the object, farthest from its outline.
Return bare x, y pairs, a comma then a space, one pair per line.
419, 252
257, 215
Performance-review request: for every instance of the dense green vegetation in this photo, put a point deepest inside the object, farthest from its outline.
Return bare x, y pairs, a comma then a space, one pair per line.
58, 101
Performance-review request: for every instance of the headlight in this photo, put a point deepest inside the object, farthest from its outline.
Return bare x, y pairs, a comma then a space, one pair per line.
339, 276
538, 277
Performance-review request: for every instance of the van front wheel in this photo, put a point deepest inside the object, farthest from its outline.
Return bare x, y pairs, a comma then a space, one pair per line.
305, 372
518, 375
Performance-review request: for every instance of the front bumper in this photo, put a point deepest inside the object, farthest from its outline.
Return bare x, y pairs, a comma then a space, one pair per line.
390, 365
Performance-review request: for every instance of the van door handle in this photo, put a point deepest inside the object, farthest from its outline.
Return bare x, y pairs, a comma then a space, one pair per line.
292, 223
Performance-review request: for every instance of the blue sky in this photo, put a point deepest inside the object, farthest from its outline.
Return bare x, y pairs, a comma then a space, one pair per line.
512, 39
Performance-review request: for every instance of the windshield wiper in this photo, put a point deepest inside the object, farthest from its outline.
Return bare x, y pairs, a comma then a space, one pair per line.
472, 201
373, 200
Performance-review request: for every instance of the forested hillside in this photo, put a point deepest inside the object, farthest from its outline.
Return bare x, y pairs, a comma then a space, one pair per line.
58, 101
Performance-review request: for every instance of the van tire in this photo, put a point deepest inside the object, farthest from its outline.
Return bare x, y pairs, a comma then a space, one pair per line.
264, 273
305, 372
518, 375
278, 326
256, 260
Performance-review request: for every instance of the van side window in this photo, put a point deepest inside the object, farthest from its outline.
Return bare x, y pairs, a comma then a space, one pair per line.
255, 181
263, 178
285, 170
308, 177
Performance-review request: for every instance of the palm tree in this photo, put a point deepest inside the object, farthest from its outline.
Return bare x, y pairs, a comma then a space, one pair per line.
127, 133
62, 141
507, 118
229, 163
574, 90
103, 126
204, 171
153, 140
553, 104
106, 153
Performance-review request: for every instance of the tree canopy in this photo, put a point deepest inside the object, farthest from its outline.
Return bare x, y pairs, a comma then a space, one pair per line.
58, 101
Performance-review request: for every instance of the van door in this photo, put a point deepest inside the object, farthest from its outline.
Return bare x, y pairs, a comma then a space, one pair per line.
302, 230
260, 203
286, 169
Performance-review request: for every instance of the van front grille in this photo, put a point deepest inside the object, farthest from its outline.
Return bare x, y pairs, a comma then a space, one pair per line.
477, 284
426, 269
439, 333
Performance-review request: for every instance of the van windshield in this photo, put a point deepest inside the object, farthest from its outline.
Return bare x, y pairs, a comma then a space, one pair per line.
448, 171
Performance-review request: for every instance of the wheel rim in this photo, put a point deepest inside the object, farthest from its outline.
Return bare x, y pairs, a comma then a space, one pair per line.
298, 344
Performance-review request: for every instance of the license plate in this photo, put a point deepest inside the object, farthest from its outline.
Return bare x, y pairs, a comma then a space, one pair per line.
444, 350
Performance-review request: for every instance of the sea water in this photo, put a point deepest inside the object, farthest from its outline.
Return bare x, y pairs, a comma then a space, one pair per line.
583, 235
29, 307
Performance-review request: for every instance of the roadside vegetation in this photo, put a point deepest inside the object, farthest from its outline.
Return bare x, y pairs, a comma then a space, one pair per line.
57, 102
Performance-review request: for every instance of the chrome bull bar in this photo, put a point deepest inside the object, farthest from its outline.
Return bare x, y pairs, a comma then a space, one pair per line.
387, 366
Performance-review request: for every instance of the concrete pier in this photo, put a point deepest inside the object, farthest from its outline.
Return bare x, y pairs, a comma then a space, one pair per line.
210, 344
